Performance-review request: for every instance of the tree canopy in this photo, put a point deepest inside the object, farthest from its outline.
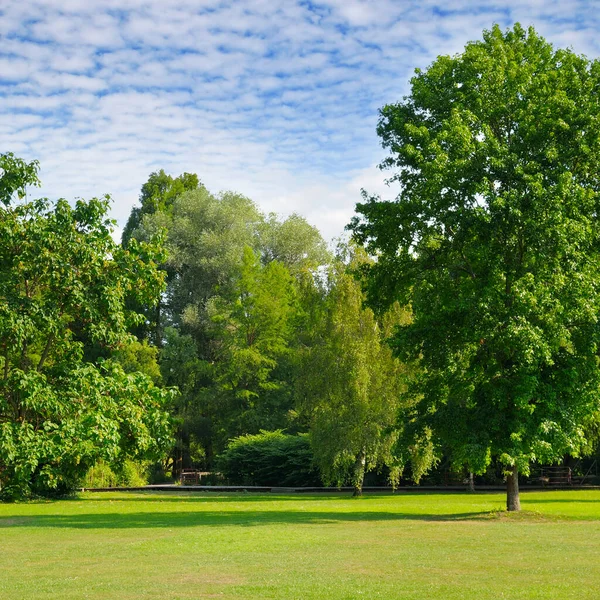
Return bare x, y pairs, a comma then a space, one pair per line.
349, 384
158, 195
63, 403
231, 314
494, 241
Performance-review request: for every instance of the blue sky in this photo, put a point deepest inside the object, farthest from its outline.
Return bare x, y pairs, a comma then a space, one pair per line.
276, 99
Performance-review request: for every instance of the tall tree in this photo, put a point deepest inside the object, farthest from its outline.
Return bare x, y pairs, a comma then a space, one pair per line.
494, 240
157, 198
63, 283
252, 329
158, 195
210, 239
350, 385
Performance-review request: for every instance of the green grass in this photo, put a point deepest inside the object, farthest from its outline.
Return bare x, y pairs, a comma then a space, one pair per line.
411, 545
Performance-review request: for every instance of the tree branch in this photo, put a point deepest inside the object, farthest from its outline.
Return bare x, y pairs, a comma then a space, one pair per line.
45, 352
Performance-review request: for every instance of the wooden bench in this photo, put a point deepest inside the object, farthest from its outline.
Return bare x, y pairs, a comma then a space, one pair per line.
189, 477
556, 476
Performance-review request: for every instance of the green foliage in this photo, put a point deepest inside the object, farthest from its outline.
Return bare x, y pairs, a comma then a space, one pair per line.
294, 243
232, 315
494, 241
207, 235
63, 284
251, 328
69, 418
100, 475
15, 176
135, 356
158, 195
269, 458
194, 408
128, 474
350, 385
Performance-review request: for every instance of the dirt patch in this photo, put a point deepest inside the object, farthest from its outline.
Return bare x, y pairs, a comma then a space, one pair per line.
15, 521
530, 516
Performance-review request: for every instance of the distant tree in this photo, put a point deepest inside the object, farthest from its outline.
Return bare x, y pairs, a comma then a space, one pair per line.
293, 242
207, 235
350, 386
494, 241
63, 283
196, 406
158, 195
252, 329
209, 241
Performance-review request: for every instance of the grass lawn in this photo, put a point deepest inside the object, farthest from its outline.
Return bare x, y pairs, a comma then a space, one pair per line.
408, 545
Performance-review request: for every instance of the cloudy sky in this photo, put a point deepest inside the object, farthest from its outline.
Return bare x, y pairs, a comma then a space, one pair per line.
276, 99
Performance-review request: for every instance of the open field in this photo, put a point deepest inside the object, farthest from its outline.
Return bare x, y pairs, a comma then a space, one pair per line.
413, 545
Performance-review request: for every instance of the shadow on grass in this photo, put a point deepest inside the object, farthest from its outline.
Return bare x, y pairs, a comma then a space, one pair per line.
150, 520
564, 500
202, 497
238, 497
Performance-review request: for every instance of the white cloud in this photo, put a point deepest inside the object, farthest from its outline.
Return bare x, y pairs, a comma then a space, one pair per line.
276, 99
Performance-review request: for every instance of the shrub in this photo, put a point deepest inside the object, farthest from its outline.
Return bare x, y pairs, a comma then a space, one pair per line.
270, 458
129, 474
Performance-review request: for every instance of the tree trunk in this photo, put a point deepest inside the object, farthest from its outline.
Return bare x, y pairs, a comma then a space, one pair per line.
359, 474
513, 502
158, 334
471, 482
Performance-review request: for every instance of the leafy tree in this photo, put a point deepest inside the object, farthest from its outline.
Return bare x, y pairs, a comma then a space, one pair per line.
63, 283
293, 242
209, 238
195, 406
15, 176
351, 386
252, 329
158, 195
494, 242
206, 237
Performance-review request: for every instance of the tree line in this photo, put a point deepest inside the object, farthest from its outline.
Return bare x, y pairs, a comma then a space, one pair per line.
261, 327
459, 322
210, 321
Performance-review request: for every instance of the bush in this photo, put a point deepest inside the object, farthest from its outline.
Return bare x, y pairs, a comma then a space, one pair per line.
100, 476
269, 458
129, 474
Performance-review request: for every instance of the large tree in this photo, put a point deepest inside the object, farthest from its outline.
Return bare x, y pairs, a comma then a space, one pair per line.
252, 328
231, 268
157, 197
63, 284
494, 240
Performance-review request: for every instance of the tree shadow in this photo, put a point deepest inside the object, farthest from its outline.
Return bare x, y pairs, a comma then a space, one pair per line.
170, 520
196, 497
563, 500
203, 497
